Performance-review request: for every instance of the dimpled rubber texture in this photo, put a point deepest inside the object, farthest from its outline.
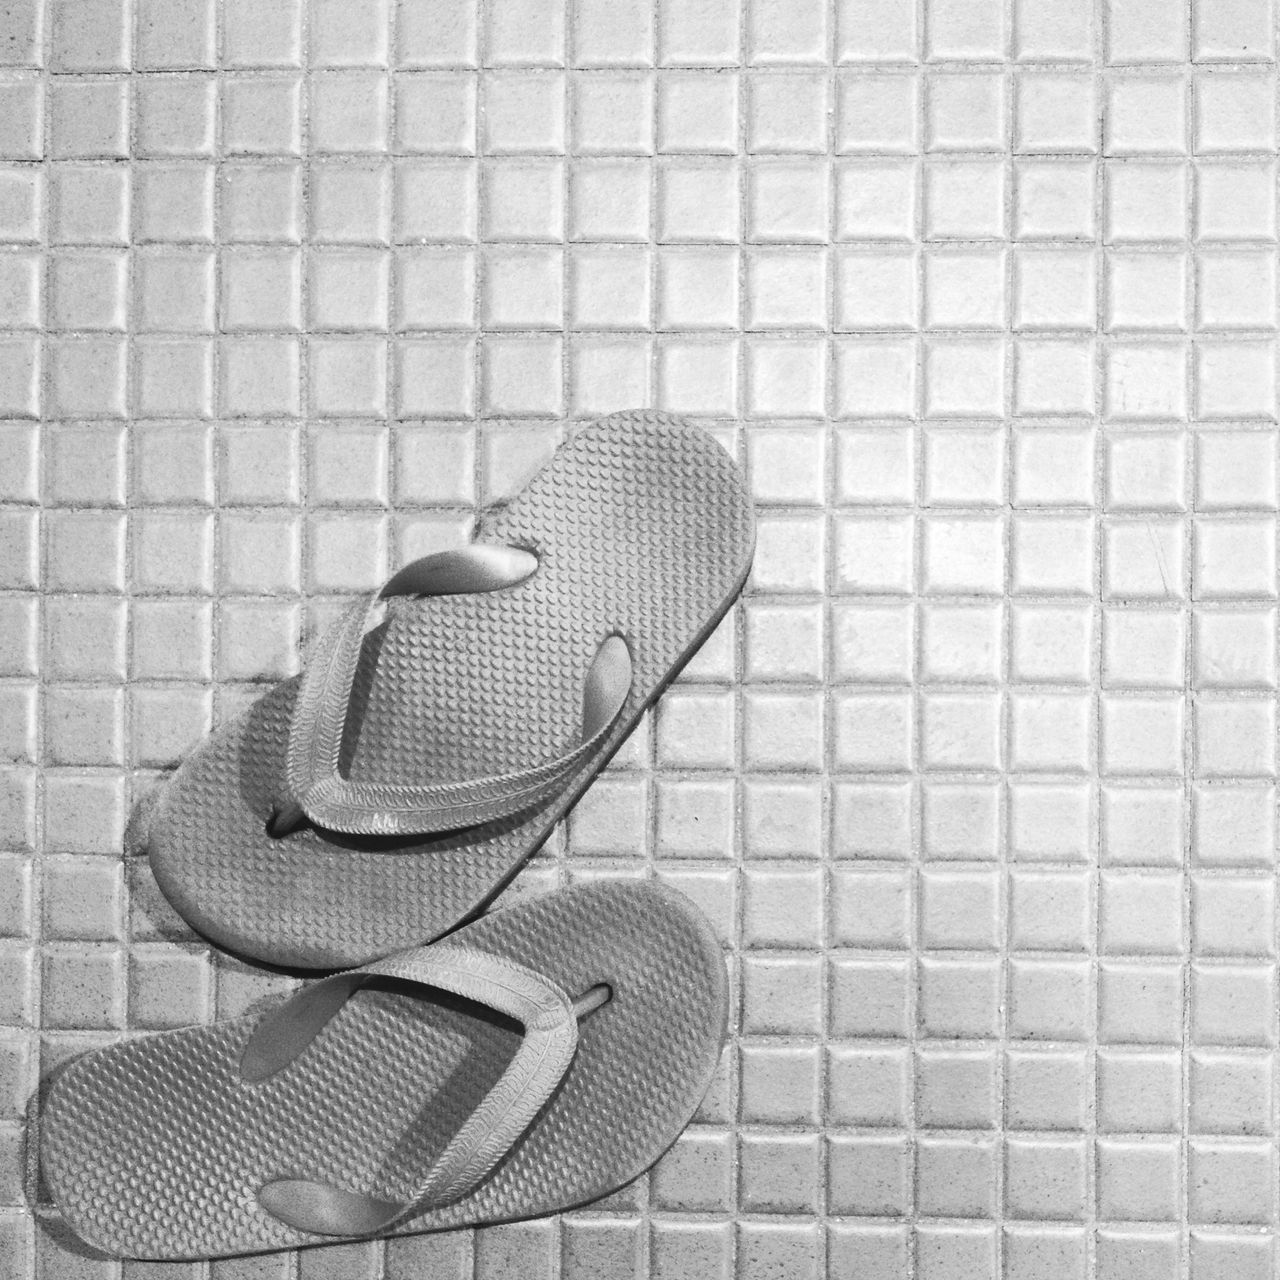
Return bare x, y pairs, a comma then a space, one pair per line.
643, 526
154, 1148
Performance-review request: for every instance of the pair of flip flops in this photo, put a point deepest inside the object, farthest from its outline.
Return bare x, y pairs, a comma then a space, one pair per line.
536, 1058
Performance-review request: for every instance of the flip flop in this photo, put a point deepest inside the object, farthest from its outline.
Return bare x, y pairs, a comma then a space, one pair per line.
540, 1058
399, 783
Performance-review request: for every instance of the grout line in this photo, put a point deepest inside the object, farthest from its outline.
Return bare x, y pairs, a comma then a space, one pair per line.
743, 169
1190, 303
918, 793
1004, 879
1099, 252
35, 1039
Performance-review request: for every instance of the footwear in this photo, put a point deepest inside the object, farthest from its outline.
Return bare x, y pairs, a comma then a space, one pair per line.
394, 788
540, 1058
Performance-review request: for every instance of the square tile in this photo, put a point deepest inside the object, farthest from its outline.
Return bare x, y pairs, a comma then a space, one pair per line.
88, 377
1050, 732
1049, 1000
1230, 1182
877, 200
613, 116
436, 200
1233, 825
955, 32
351, 202
83, 988
786, 289
964, 378
524, 199
965, 112
1144, 649
88, 119
1233, 649
783, 33
435, 112
434, 289
964, 467
964, 290
1054, 288
1049, 911
955, 1177
1143, 561
960, 644
1232, 559
1056, 112
1140, 913
697, 288
1236, 32
350, 35
95, 38
965, 200
1232, 112
1139, 1090
1243, 1255
348, 377
1233, 291
176, 117
606, 36
788, 465
259, 376
1231, 737
172, 202
1140, 1003
1045, 1178
531, 31
787, 202
1054, 200
1146, 471
1231, 1005
1235, 201
1235, 471
963, 555
88, 290
788, 112
1146, 201
610, 200
261, 115
349, 112
1051, 643
1054, 467
1141, 734
349, 290
697, 113
260, 203
262, 38
1050, 822
1232, 916
523, 112
1146, 115
174, 290
1138, 1179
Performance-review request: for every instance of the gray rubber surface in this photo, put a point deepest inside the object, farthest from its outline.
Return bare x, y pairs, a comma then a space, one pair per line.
155, 1148
642, 525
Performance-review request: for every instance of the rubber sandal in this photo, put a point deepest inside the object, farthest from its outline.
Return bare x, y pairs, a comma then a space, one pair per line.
398, 785
542, 1057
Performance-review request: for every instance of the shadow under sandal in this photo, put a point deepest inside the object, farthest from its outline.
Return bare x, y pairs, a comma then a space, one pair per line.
542, 1057
399, 783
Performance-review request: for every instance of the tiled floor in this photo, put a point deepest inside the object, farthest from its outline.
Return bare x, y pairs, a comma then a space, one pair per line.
978, 784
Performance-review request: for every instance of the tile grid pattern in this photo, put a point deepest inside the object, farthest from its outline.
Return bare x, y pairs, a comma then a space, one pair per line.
979, 783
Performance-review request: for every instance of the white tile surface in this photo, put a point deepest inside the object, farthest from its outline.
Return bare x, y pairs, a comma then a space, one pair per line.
978, 784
